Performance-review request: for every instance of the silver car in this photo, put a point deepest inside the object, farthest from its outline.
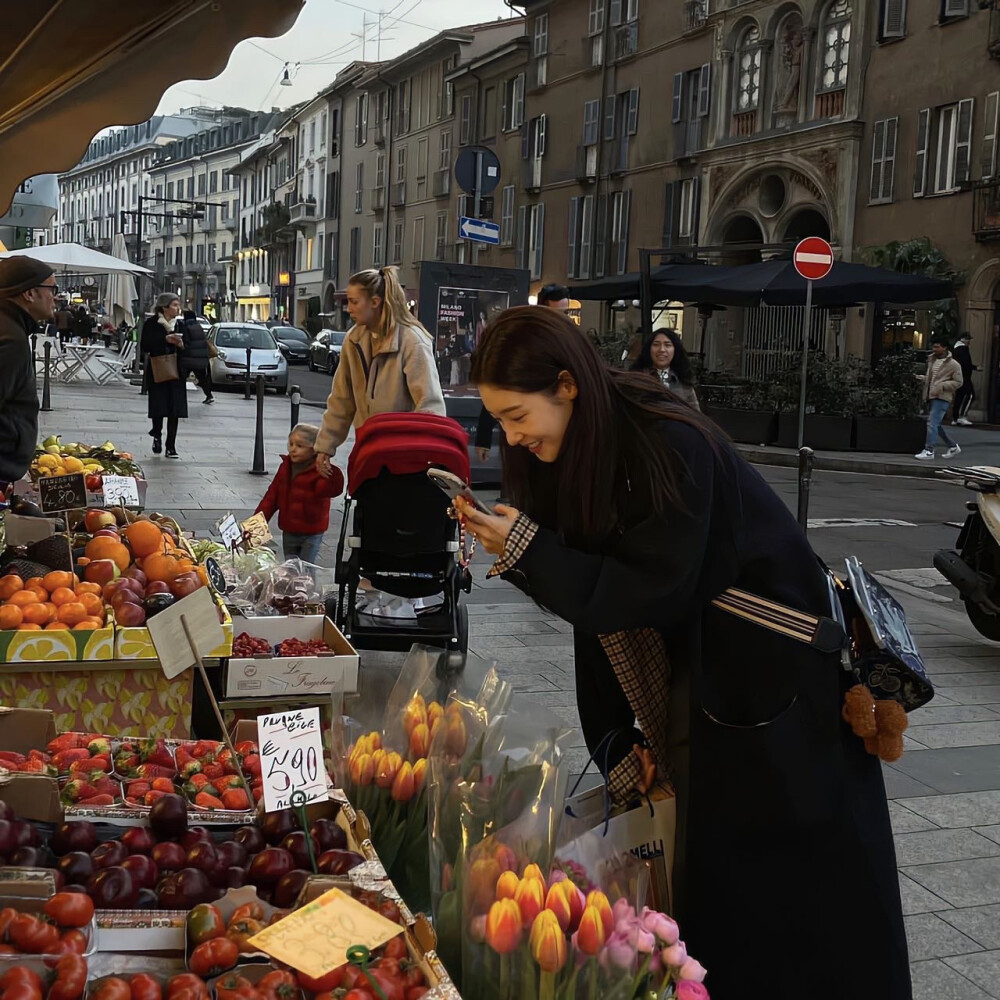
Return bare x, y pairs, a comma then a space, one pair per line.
229, 366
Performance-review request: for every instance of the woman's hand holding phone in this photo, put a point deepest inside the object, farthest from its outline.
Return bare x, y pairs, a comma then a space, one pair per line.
491, 530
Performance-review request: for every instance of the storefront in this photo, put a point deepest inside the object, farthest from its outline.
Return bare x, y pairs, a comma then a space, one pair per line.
254, 308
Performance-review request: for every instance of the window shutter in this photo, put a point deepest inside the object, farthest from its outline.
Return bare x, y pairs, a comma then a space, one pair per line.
677, 113
878, 159
542, 133
522, 242
669, 214
705, 90
956, 8
893, 18
536, 264
616, 12
525, 142
889, 159
623, 235
695, 210
920, 163
989, 164
609, 116
633, 111
601, 237
503, 106
963, 141
586, 235
519, 100
571, 257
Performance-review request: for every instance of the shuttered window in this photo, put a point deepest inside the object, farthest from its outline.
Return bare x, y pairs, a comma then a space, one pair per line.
989, 154
883, 160
920, 161
893, 19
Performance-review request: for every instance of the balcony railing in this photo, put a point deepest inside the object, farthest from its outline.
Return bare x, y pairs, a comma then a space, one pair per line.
399, 194
986, 210
626, 40
533, 175
442, 183
302, 211
379, 133
378, 198
586, 163
745, 123
829, 105
695, 14
688, 138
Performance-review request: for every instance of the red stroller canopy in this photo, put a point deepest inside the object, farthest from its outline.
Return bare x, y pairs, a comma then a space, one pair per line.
405, 443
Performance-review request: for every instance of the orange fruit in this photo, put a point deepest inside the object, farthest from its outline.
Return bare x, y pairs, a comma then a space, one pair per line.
88, 588
34, 581
61, 595
59, 578
82, 561
11, 616
36, 614
22, 598
72, 613
89, 624
51, 608
56, 627
29, 626
160, 567
10, 584
41, 594
93, 604
144, 538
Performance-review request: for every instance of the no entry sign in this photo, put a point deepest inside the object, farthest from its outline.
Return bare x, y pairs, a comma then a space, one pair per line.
813, 258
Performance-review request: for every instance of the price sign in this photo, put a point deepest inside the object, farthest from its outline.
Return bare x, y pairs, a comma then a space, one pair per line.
120, 489
58, 493
230, 531
256, 531
315, 938
215, 575
291, 755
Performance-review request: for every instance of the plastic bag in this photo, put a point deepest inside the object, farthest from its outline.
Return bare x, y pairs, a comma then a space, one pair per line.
293, 587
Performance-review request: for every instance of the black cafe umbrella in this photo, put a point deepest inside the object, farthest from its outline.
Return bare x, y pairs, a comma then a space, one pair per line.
679, 276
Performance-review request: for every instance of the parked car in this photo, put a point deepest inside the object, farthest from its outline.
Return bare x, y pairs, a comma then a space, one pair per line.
324, 351
229, 367
204, 322
293, 343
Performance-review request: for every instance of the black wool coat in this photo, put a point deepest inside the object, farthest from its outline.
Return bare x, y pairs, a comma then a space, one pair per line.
784, 849
166, 399
194, 357
18, 392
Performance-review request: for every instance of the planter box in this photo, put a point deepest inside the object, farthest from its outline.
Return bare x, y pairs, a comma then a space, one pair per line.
746, 426
890, 435
822, 433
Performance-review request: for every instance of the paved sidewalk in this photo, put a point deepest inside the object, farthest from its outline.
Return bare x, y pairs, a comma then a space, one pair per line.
945, 791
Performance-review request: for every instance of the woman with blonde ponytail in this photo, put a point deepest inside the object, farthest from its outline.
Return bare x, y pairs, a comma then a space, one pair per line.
386, 362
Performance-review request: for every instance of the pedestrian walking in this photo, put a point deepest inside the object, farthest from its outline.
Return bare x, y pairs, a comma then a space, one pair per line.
943, 378
301, 496
628, 514
162, 339
663, 356
27, 298
195, 357
965, 393
386, 362
64, 325
82, 325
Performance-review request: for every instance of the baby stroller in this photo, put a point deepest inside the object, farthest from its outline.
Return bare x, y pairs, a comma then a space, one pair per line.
402, 539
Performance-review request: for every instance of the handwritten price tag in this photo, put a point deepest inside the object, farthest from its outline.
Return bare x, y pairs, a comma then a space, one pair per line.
120, 489
315, 938
59, 493
230, 531
291, 752
256, 530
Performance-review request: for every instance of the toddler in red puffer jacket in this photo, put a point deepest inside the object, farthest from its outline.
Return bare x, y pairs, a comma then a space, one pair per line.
301, 496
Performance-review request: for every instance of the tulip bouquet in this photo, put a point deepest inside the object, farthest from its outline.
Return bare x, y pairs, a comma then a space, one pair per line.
547, 940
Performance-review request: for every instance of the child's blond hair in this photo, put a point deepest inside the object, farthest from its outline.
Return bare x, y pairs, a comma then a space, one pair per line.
308, 431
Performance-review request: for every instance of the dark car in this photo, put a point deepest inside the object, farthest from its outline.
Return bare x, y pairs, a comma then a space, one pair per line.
324, 351
293, 343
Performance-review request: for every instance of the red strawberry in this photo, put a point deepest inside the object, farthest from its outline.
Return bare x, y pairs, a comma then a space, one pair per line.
64, 758
213, 771
190, 768
151, 796
198, 781
99, 746
246, 747
183, 756
235, 798
8, 758
77, 790
251, 765
204, 748
100, 800
206, 801
156, 752
164, 785
68, 741
136, 789
38, 767
151, 771
40, 755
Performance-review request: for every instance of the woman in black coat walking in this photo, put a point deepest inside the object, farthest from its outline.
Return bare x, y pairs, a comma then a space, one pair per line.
631, 514
195, 358
161, 336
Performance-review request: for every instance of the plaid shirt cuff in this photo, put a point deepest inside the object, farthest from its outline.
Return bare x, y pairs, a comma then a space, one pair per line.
521, 534
622, 780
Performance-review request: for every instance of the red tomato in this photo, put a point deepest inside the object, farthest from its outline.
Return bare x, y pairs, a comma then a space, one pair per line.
251, 911
71, 978
187, 981
214, 957
396, 947
412, 976
391, 985
188, 993
279, 985
416, 992
70, 909
388, 909
7, 915
330, 981
111, 988
22, 991
29, 934
358, 994
20, 974
145, 987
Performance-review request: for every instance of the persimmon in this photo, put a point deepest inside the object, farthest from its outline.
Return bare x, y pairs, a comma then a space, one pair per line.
11, 616
88, 588
160, 567
22, 598
72, 613
59, 578
61, 595
35, 614
93, 604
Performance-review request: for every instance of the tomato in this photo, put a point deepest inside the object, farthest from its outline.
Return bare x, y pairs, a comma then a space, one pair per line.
357, 994
232, 987
396, 947
214, 957
188, 993
20, 974
240, 932
390, 910
204, 923
71, 978
70, 909
279, 985
187, 981
22, 991
76, 940
391, 986
412, 976
416, 992
252, 911
145, 987
111, 988
29, 934
7, 915
330, 981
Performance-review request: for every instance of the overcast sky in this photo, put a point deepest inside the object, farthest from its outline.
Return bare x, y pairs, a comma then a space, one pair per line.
325, 38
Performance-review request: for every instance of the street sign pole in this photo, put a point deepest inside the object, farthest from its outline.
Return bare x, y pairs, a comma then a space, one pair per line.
478, 198
806, 320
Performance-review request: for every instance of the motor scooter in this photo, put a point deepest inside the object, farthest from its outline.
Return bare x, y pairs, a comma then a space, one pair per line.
973, 566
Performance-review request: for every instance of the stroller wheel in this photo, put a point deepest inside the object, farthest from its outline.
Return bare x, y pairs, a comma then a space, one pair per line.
462, 631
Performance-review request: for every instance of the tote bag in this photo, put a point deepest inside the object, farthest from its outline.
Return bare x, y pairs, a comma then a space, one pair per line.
164, 368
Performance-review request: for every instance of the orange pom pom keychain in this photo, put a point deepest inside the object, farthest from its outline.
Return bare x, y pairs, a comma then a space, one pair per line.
879, 723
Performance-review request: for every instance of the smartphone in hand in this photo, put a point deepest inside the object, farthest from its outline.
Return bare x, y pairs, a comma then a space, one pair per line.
455, 487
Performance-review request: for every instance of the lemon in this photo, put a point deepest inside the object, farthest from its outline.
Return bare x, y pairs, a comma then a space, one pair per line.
71, 464
47, 461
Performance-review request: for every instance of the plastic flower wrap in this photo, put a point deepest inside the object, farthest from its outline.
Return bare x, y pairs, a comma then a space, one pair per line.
381, 745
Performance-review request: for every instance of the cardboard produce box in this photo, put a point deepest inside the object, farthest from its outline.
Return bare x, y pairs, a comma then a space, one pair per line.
270, 676
57, 645
135, 643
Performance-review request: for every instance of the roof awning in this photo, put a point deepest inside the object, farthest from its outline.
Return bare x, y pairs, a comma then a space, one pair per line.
69, 68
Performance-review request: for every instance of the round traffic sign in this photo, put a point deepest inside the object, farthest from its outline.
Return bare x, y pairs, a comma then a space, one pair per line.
481, 161
813, 258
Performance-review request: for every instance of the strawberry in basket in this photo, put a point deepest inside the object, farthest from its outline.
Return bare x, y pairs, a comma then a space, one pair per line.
97, 789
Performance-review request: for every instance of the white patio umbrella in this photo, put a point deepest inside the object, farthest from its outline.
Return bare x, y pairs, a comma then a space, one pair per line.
121, 288
72, 258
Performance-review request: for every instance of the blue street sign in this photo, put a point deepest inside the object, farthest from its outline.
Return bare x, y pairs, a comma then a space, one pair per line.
479, 231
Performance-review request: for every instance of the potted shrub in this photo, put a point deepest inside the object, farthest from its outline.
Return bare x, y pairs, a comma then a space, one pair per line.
744, 410
830, 392
888, 415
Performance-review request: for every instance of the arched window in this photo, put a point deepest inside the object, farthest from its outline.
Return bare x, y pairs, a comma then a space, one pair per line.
835, 46
748, 71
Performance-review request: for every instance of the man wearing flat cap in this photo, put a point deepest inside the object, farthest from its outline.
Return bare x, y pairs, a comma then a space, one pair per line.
27, 298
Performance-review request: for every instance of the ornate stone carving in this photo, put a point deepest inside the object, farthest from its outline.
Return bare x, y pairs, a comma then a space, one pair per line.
720, 177
788, 66
825, 160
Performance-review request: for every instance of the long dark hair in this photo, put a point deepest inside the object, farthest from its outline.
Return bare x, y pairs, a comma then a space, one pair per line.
611, 438
680, 365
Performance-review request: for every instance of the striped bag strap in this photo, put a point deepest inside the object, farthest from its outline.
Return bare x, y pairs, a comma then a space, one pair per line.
824, 634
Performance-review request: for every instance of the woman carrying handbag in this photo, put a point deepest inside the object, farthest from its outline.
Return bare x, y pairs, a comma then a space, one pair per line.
161, 341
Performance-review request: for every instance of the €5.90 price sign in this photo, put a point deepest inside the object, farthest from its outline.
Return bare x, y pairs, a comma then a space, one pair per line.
291, 756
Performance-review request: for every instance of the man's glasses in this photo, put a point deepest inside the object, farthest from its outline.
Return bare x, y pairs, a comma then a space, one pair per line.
54, 289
